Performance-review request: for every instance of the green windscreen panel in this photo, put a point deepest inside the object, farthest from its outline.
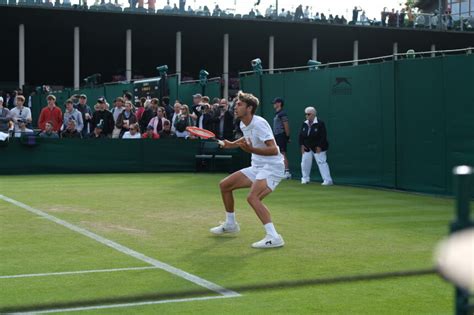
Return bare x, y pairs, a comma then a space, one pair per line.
251, 84
458, 74
421, 125
273, 85
173, 88
38, 101
355, 125
186, 92
113, 91
213, 89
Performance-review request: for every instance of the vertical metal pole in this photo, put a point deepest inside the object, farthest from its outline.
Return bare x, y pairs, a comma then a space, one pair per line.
356, 52
128, 56
271, 55
433, 50
462, 182
226, 66
77, 73
178, 56
395, 51
315, 49
21, 60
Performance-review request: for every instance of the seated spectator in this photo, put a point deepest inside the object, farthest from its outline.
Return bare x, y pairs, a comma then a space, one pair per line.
343, 20
97, 133
22, 130
49, 132
175, 8
133, 133
166, 132
217, 11
5, 117
167, 7
102, 114
150, 133
51, 113
157, 121
21, 112
126, 119
72, 113
184, 120
269, 11
71, 131
116, 111
190, 10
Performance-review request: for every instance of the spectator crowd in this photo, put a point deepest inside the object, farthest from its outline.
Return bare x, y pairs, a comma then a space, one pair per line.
149, 118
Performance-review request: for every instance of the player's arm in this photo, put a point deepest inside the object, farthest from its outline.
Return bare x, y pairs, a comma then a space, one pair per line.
269, 149
232, 144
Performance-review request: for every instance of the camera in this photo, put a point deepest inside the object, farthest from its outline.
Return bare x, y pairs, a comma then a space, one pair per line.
256, 62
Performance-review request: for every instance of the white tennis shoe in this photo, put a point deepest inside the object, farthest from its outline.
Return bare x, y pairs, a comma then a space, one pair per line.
269, 242
225, 228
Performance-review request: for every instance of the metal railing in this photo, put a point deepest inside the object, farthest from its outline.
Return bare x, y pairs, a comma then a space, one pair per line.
422, 54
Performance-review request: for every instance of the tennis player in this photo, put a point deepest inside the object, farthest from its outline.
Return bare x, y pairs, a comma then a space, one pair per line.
266, 172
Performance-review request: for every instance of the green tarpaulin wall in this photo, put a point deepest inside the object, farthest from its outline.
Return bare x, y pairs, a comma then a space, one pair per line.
402, 124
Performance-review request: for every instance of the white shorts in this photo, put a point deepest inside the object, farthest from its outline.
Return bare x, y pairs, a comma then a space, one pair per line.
273, 173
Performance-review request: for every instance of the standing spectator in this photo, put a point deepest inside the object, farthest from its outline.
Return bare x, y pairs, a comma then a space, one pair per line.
165, 103
299, 12
49, 132
281, 130
383, 16
5, 117
116, 111
355, 14
126, 119
167, 7
21, 112
392, 18
150, 134
86, 112
174, 117
102, 114
74, 114
149, 114
269, 11
307, 13
166, 132
140, 109
184, 120
363, 18
133, 133
51, 113
182, 5
22, 130
71, 130
204, 117
157, 121
11, 99
197, 98
401, 18
151, 5
313, 142
225, 127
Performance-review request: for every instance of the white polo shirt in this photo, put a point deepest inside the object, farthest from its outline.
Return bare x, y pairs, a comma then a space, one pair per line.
259, 131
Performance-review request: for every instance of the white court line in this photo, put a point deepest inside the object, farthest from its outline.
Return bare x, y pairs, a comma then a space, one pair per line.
125, 250
101, 307
75, 272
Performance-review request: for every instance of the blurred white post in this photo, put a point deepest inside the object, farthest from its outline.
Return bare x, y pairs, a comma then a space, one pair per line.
271, 55
433, 49
226, 66
314, 55
77, 74
128, 56
356, 52
395, 51
21, 60
178, 56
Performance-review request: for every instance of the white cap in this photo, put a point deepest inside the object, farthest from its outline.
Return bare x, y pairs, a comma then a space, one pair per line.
1, 99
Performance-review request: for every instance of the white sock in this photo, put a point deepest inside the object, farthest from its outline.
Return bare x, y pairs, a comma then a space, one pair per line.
270, 229
230, 217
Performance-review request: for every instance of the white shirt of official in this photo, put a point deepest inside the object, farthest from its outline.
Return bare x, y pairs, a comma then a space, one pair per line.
259, 131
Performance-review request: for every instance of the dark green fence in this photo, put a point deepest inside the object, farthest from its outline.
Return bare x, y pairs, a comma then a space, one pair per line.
401, 124
47, 156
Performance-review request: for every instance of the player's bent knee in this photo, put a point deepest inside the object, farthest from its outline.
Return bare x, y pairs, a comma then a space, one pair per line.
252, 198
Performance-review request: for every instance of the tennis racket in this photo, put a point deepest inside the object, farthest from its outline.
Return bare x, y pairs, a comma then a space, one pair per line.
204, 134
